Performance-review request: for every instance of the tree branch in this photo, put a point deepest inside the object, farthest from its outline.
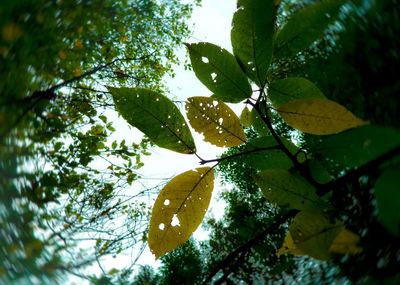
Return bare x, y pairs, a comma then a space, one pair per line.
248, 245
238, 154
356, 173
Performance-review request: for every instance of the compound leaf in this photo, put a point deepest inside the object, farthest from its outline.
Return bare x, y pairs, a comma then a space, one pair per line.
179, 209
216, 121
156, 116
318, 116
285, 90
219, 71
280, 187
305, 26
252, 33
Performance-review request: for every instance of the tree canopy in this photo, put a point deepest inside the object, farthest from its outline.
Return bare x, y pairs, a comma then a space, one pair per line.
313, 158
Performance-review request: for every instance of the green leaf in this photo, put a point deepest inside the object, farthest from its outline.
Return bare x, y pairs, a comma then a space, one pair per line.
281, 187
305, 26
246, 117
357, 146
216, 121
179, 209
219, 71
252, 33
313, 233
156, 116
285, 90
387, 193
318, 116
258, 124
267, 159
318, 172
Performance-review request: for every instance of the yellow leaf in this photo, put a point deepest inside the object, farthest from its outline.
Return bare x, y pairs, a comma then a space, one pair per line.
246, 117
80, 29
318, 116
289, 247
11, 32
218, 123
62, 54
179, 209
346, 243
77, 71
78, 44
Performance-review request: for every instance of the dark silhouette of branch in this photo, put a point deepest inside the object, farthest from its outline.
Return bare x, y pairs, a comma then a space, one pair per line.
227, 261
356, 173
238, 154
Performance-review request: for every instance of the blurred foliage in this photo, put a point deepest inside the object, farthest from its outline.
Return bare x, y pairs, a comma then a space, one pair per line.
63, 182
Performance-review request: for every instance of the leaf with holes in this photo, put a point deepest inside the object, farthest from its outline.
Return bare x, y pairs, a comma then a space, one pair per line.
305, 26
219, 71
358, 146
252, 33
179, 209
216, 121
318, 116
280, 187
313, 233
273, 157
156, 116
246, 117
387, 192
285, 90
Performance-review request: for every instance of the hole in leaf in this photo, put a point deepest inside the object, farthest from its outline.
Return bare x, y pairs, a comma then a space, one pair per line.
204, 59
175, 221
161, 227
213, 76
166, 202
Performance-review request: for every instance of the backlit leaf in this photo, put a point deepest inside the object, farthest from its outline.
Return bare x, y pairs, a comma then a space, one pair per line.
258, 124
246, 117
179, 209
156, 116
305, 26
267, 159
313, 233
219, 71
252, 32
346, 243
358, 146
285, 90
216, 121
280, 187
318, 116
387, 193
289, 247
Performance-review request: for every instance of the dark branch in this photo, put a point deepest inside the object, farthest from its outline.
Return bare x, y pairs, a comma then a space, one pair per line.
238, 154
248, 245
356, 173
